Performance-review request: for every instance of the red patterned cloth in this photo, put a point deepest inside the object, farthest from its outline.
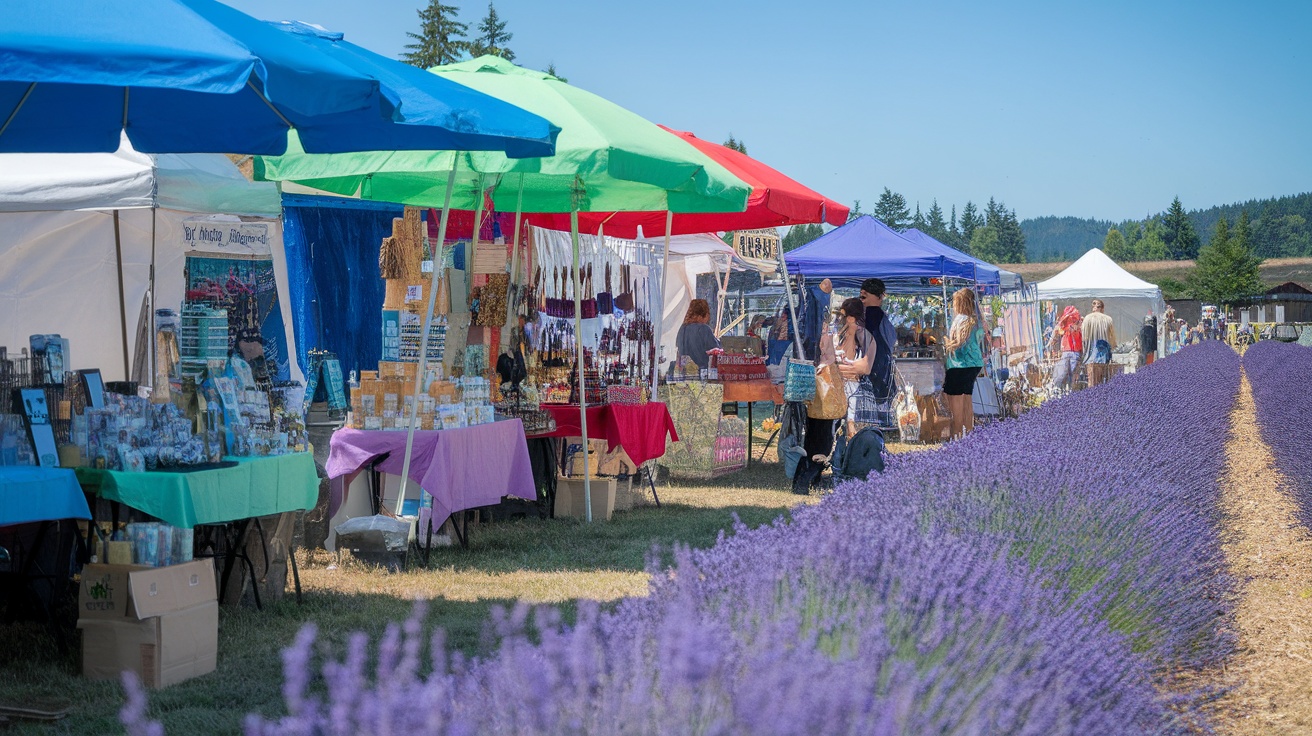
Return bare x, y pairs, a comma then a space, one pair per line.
639, 429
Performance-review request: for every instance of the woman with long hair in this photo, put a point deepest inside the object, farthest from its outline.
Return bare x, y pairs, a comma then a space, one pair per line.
696, 337
854, 349
965, 359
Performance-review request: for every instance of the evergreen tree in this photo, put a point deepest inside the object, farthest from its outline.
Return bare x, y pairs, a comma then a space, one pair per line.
892, 210
937, 227
1011, 239
440, 39
1179, 234
984, 244
954, 232
551, 69
1226, 269
970, 222
993, 213
492, 37
800, 235
855, 212
918, 220
1115, 247
1150, 246
736, 145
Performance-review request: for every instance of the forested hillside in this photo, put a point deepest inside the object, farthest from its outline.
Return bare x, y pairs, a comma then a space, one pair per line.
1279, 229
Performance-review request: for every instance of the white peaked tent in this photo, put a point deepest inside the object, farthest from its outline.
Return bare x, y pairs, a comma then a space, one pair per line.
1127, 297
81, 233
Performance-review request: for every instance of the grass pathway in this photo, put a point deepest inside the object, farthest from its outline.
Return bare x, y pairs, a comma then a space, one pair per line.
1270, 554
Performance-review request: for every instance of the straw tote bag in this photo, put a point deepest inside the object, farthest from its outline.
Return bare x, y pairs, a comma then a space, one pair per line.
830, 400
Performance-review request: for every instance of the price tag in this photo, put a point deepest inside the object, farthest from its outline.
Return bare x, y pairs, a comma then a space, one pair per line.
414, 293
426, 266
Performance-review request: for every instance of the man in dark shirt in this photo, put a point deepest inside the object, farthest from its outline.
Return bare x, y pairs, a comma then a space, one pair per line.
877, 324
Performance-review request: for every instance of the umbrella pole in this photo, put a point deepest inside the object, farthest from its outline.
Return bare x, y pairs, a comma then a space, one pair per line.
122, 298
421, 373
578, 349
660, 310
513, 307
154, 349
792, 311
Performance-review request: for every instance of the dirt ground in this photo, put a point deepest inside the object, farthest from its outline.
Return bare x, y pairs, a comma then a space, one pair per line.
1269, 679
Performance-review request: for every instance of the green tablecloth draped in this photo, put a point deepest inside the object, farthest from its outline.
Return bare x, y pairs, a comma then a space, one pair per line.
256, 486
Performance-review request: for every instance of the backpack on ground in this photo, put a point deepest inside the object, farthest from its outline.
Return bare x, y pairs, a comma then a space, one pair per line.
862, 454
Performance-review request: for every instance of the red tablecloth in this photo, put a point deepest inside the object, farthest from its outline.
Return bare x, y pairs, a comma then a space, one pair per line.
638, 428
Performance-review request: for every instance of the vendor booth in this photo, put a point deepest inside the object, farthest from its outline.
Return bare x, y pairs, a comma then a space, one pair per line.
1128, 299
84, 233
146, 329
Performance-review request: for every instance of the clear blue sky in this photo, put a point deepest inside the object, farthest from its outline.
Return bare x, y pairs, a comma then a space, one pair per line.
1103, 109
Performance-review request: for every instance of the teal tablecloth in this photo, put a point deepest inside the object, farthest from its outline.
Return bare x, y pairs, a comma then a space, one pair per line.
256, 486
40, 494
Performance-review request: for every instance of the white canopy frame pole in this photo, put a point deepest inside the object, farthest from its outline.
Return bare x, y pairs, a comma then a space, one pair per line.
438, 274
578, 350
660, 310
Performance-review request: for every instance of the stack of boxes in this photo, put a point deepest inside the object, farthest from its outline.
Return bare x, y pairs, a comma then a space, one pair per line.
160, 622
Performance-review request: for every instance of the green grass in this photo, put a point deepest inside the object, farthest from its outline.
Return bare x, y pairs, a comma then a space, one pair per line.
558, 562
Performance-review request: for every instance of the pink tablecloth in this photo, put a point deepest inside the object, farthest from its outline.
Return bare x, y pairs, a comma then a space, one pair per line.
460, 468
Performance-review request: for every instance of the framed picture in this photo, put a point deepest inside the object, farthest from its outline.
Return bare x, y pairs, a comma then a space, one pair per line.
95, 388
34, 405
43, 441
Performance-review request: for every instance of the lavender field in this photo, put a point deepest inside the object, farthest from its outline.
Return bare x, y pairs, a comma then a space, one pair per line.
1054, 574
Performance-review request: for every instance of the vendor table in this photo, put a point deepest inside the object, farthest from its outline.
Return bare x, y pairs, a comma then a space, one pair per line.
225, 498
638, 428
255, 486
462, 468
44, 500
30, 494
750, 392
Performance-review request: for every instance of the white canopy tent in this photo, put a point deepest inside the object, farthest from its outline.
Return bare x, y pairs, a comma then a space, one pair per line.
90, 243
1128, 298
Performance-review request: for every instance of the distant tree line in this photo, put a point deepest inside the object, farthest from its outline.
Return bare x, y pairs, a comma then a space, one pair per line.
994, 235
1279, 228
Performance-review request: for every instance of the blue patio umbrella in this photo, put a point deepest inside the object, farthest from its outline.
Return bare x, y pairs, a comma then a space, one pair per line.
196, 76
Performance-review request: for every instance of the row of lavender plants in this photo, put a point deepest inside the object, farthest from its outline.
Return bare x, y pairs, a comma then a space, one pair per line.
1281, 378
1042, 576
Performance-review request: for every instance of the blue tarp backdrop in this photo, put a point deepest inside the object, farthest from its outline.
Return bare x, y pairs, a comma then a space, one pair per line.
335, 288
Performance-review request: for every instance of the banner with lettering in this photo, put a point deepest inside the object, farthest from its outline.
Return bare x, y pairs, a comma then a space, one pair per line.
230, 266
236, 238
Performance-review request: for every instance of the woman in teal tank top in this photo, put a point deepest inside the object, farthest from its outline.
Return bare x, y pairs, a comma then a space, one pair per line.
965, 359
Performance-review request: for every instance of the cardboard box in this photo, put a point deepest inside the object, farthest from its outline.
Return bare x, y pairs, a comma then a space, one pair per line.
570, 502
160, 622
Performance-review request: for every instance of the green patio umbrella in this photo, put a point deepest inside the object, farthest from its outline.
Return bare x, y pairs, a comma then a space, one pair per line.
608, 159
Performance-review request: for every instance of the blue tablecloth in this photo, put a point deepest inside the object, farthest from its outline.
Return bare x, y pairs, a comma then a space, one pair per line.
40, 494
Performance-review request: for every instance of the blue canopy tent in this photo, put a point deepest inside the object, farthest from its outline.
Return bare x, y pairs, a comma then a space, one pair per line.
196, 76
985, 274
865, 248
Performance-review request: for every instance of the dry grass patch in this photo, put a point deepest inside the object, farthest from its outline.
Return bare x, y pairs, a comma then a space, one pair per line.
1270, 553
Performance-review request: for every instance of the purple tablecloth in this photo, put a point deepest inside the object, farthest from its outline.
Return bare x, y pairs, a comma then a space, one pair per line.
460, 468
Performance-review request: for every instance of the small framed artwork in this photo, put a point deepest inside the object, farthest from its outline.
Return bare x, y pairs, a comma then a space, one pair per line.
95, 388
34, 405
43, 441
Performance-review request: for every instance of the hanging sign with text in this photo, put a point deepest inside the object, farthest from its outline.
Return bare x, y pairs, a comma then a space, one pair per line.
762, 244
